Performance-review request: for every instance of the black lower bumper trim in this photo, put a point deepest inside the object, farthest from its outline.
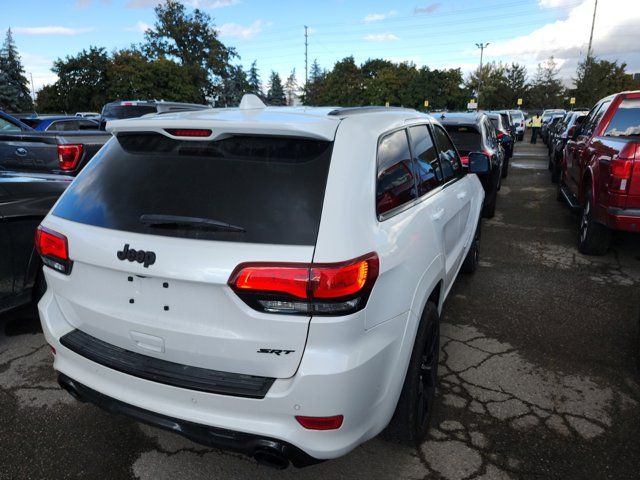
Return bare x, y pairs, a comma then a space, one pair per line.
163, 371
245, 443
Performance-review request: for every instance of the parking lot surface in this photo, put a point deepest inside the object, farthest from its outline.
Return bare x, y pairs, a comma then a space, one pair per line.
537, 379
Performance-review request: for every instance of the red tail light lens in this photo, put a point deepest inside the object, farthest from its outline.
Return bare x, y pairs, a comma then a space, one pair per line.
69, 156
188, 132
320, 423
320, 289
465, 160
500, 135
53, 248
620, 176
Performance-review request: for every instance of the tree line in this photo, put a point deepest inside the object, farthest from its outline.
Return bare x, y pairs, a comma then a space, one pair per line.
183, 59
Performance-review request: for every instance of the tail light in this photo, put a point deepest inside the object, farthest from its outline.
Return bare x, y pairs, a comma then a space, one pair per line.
188, 132
464, 159
500, 135
53, 248
320, 423
620, 175
69, 156
318, 289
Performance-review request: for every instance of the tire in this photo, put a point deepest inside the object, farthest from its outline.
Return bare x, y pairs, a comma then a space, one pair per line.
555, 168
594, 237
472, 259
505, 169
521, 137
489, 209
40, 287
410, 422
559, 195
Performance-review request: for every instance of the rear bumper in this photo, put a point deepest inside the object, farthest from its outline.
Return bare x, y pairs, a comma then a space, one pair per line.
627, 220
248, 444
345, 370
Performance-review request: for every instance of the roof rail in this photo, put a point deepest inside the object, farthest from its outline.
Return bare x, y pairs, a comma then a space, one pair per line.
343, 111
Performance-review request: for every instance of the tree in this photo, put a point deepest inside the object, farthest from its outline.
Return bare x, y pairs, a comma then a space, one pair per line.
234, 86
14, 87
291, 88
546, 89
343, 85
493, 85
255, 86
315, 84
516, 84
275, 94
596, 79
192, 40
82, 80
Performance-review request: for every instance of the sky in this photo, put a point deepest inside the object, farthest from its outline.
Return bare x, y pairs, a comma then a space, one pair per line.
438, 34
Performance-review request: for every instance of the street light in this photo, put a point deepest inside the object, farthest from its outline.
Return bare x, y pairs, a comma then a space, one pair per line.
481, 46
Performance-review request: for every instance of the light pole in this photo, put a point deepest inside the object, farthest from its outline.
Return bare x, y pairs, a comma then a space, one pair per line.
481, 46
593, 23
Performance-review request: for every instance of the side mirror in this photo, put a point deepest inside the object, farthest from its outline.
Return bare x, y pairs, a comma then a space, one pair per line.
479, 163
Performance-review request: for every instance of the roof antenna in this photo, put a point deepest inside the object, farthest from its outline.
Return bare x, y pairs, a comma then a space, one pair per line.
251, 102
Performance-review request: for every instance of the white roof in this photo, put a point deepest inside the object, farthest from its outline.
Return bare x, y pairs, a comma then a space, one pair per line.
255, 118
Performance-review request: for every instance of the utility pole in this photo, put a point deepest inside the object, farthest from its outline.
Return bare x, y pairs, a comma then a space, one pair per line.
593, 23
481, 46
306, 51
33, 89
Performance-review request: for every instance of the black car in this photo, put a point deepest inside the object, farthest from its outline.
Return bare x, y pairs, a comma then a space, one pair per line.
25, 199
505, 139
546, 126
558, 139
137, 108
474, 132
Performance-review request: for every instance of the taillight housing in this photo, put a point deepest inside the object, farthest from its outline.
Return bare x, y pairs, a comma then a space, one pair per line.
500, 135
620, 177
320, 423
69, 156
189, 132
53, 248
307, 289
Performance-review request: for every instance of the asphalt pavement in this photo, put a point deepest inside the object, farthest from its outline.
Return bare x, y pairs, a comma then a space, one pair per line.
538, 375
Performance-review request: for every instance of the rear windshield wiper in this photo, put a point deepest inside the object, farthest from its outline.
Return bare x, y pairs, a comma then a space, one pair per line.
159, 220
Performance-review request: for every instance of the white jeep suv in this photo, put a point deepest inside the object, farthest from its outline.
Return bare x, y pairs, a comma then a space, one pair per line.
265, 280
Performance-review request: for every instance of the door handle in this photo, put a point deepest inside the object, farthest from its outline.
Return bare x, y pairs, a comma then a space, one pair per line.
461, 195
438, 215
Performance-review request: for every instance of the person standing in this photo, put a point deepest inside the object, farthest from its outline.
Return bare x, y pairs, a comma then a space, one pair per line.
535, 123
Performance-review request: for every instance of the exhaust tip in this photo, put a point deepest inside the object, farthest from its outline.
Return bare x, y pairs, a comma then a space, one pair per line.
271, 458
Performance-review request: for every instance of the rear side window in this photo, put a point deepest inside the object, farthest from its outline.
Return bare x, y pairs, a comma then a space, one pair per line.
594, 118
449, 160
466, 138
425, 159
272, 187
396, 184
127, 111
7, 126
626, 120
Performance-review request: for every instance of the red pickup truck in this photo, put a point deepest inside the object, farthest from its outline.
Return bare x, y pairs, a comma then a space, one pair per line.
601, 171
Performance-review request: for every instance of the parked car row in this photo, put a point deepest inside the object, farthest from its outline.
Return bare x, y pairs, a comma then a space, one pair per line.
595, 158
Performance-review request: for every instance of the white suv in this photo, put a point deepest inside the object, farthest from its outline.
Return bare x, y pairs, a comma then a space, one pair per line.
265, 280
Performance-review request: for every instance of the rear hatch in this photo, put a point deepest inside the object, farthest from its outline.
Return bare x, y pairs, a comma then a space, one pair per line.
161, 289
466, 138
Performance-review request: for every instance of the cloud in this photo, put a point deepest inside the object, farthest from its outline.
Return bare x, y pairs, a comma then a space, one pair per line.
140, 26
556, 3
235, 30
377, 17
615, 37
191, 3
381, 37
432, 7
40, 67
51, 30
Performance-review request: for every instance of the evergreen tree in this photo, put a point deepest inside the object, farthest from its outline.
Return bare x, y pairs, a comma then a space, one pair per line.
234, 86
14, 87
596, 79
291, 88
343, 86
255, 86
516, 84
275, 94
313, 87
493, 85
546, 90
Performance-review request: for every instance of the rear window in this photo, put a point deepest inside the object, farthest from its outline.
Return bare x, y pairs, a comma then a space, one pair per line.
272, 187
119, 112
466, 138
626, 121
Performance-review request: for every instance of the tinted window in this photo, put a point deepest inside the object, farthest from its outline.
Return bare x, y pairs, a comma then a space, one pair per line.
425, 159
7, 126
451, 166
396, 183
63, 126
626, 120
127, 111
594, 118
273, 187
467, 139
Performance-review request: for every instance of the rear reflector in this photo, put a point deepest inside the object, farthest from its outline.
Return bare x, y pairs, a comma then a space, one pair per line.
320, 423
54, 249
620, 175
69, 156
324, 289
188, 132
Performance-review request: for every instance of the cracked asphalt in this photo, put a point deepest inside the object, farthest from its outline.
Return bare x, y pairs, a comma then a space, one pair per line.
538, 376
